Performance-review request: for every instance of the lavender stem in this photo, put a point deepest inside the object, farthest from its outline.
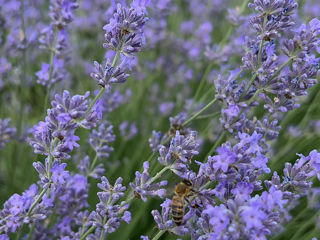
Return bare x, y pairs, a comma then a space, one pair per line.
90, 230
159, 234
200, 112
114, 62
52, 55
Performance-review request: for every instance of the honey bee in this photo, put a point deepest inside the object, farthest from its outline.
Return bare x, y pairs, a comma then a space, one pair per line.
125, 31
182, 191
267, 38
288, 95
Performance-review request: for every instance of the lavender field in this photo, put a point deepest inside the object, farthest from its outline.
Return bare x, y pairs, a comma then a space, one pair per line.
160, 119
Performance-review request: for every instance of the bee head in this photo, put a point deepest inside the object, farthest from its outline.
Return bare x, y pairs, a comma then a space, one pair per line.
187, 182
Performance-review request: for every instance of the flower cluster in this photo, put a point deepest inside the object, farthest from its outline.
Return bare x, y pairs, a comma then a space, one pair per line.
55, 39
124, 32
145, 186
243, 217
17, 210
56, 135
109, 213
225, 77
99, 139
6, 132
179, 154
124, 35
241, 164
155, 141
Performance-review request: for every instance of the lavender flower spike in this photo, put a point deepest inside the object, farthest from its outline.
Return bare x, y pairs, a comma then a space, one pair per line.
101, 138
180, 152
6, 132
144, 187
108, 214
124, 32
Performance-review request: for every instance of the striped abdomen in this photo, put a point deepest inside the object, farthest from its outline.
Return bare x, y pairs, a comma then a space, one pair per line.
177, 209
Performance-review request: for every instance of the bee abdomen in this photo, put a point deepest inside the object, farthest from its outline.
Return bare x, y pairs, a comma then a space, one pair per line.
177, 209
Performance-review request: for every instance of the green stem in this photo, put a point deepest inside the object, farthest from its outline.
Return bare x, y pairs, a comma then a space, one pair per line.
212, 115
31, 231
34, 204
302, 228
253, 98
217, 143
24, 68
231, 28
159, 234
221, 44
281, 68
203, 80
115, 59
159, 174
250, 83
114, 62
102, 231
90, 230
54, 143
199, 112
93, 163
95, 100
262, 40
18, 237
314, 104
52, 55
95, 159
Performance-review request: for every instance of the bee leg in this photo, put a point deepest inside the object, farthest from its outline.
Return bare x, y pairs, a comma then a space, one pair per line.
193, 191
188, 201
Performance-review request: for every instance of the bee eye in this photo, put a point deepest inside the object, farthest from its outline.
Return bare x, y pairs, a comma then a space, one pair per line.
187, 182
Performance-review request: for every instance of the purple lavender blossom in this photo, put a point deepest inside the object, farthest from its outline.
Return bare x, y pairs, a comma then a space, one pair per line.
47, 76
277, 14
254, 218
60, 124
5, 67
176, 124
124, 32
180, 153
61, 12
108, 214
16, 210
245, 161
72, 195
163, 220
55, 39
128, 131
155, 141
107, 75
144, 187
6, 132
85, 168
100, 139
59, 175
296, 180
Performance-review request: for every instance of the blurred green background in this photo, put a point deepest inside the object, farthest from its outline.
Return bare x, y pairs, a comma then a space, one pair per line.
17, 173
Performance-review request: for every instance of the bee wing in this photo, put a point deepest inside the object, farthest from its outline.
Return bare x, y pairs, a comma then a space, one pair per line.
170, 191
